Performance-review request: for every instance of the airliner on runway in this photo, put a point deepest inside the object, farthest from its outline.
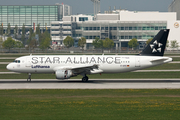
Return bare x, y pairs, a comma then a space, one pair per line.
66, 66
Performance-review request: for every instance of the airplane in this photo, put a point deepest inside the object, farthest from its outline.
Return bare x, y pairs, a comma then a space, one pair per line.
67, 66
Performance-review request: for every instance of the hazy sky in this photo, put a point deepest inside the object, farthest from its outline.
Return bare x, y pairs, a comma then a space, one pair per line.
86, 6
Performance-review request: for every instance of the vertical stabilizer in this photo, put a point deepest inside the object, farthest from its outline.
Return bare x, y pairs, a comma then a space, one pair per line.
158, 44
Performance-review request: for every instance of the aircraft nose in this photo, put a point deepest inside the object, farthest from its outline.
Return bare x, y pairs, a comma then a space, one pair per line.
8, 67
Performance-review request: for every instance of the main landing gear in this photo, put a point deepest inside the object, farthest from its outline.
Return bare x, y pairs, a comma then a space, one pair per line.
29, 78
85, 78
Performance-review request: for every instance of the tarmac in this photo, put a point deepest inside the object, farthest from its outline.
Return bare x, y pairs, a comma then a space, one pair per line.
91, 84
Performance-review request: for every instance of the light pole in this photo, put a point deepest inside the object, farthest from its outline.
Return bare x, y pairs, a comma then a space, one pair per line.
96, 7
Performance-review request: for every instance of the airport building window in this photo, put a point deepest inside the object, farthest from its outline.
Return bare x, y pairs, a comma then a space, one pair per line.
91, 28
54, 29
66, 34
54, 24
66, 29
77, 35
143, 28
54, 34
83, 18
137, 37
66, 24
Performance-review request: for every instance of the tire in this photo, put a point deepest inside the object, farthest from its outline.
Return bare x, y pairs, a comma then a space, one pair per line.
85, 79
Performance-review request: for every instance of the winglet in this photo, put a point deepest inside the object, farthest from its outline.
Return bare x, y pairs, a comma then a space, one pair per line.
158, 44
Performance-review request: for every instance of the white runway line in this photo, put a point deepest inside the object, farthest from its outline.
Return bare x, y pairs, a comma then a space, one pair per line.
92, 84
176, 83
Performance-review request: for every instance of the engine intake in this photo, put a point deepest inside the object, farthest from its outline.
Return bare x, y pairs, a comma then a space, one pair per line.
63, 74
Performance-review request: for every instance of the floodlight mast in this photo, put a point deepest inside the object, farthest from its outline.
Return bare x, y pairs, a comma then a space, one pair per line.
96, 7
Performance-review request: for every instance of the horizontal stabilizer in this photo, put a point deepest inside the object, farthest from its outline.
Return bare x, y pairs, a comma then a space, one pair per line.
159, 59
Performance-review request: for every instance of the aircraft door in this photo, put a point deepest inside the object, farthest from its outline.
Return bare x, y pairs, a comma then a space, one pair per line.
28, 62
137, 62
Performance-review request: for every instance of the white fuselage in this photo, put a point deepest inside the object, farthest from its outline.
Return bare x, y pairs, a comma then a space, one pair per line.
105, 63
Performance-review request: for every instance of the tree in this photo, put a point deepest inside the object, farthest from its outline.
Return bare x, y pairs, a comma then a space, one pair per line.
45, 35
16, 31
68, 41
9, 43
108, 43
1, 30
82, 42
133, 43
98, 43
23, 34
148, 41
18, 44
38, 31
33, 44
167, 44
174, 44
1, 41
31, 36
45, 42
8, 30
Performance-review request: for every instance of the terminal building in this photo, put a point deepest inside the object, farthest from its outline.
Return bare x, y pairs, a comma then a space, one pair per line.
31, 15
119, 25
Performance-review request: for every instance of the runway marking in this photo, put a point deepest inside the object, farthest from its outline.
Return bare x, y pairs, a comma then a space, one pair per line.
176, 83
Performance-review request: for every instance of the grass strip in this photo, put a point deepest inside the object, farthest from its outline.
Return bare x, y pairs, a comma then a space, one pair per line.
3, 68
6, 60
176, 58
135, 75
126, 104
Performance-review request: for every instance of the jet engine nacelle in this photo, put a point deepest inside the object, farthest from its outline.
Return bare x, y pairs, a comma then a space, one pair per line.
63, 74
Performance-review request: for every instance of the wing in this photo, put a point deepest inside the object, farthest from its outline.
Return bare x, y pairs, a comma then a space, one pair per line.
77, 69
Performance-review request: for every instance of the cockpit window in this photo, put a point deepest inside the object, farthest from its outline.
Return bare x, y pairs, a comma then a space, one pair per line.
16, 61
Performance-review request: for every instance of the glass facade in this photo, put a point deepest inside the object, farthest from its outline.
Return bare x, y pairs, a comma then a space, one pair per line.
19, 15
122, 30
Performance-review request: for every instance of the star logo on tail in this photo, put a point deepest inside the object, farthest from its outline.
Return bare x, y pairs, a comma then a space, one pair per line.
156, 47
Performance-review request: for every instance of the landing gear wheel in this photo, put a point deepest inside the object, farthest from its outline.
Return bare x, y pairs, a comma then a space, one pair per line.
85, 79
29, 78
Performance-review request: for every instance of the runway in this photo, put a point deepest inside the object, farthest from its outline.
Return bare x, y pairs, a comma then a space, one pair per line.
91, 84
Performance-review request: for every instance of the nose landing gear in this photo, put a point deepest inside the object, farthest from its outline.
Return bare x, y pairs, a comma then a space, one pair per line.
29, 78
